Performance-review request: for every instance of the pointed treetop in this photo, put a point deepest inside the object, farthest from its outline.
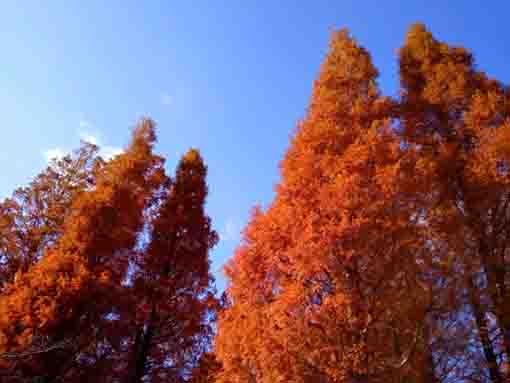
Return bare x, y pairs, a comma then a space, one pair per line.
144, 132
191, 164
345, 102
105, 220
419, 39
347, 74
192, 156
433, 70
348, 59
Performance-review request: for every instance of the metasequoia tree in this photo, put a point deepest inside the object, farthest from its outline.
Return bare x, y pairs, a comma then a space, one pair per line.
384, 256
174, 286
67, 293
32, 218
327, 284
458, 119
105, 269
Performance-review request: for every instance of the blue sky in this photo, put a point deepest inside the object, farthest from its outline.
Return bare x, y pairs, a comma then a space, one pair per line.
229, 77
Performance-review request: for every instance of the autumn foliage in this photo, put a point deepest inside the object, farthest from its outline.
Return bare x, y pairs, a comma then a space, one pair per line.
383, 257
68, 313
174, 280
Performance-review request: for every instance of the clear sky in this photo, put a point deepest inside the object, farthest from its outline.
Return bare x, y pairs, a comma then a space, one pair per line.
229, 77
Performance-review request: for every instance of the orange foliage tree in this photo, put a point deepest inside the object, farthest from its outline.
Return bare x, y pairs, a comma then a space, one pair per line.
32, 218
327, 285
384, 256
68, 292
458, 119
69, 288
175, 295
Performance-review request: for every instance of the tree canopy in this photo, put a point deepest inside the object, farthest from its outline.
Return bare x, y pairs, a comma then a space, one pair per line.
384, 255
84, 270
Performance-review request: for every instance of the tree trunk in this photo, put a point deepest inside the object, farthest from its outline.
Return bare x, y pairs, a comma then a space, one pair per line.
142, 348
483, 332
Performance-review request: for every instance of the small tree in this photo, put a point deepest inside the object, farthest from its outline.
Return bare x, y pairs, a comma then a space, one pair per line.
69, 291
174, 286
32, 219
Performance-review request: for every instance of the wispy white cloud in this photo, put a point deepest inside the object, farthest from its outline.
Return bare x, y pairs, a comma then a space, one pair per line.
84, 124
105, 151
108, 152
166, 99
88, 137
54, 153
231, 230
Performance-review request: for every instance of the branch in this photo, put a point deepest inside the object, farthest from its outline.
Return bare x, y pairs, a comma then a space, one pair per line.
34, 351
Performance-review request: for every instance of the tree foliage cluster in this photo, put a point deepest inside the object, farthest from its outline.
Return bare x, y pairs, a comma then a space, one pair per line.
384, 256
105, 271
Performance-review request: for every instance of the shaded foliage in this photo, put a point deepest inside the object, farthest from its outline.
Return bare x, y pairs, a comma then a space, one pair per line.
69, 311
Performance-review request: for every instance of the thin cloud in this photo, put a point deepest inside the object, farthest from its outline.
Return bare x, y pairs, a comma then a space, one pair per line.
84, 124
105, 151
88, 137
51, 154
231, 230
108, 152
166, 99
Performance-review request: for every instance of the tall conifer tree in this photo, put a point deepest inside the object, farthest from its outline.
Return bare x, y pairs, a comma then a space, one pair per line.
324, 287
175, 283
458, 120
67, 294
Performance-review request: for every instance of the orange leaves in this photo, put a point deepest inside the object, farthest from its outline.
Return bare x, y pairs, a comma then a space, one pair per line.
33, 218
53, 298
174, 286
66, 278
383, 254
457, 117
306, 275
386, 209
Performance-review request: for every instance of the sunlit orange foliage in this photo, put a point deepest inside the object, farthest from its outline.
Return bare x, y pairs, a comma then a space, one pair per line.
32, 219
71, 286
384, 256
324, 286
